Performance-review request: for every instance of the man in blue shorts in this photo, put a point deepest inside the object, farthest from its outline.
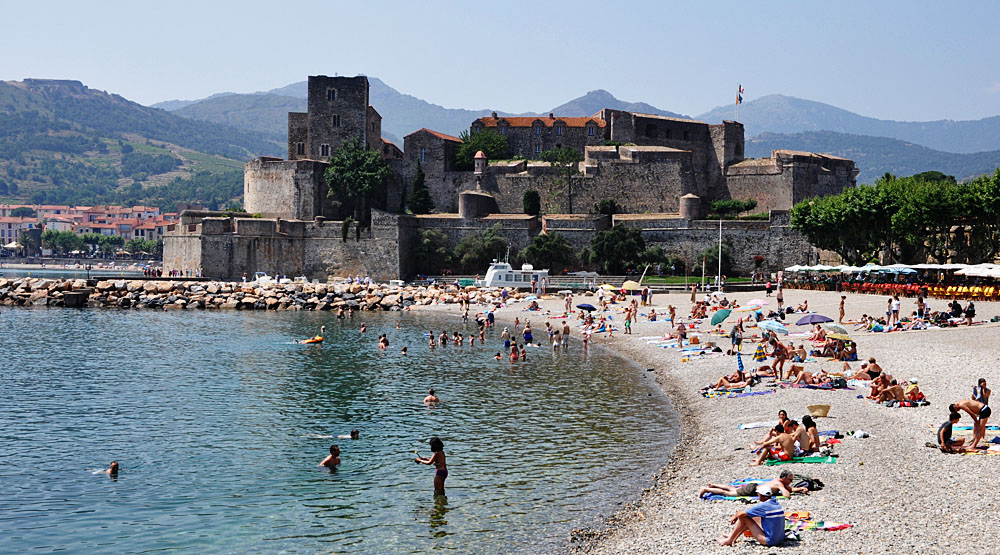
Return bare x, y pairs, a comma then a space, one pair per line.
765, 520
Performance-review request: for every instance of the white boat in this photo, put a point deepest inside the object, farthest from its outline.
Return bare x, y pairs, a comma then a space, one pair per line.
500, 274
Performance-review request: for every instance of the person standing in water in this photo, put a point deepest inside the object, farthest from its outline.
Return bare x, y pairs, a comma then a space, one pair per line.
333, 459
431, 399
438, 460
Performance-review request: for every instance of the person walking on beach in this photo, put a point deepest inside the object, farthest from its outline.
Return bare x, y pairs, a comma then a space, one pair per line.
842, 299
765, 520
694, 291
781, 298
736, 337
437, 459
767, 289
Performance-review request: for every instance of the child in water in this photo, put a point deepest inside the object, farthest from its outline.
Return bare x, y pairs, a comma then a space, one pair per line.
438, 460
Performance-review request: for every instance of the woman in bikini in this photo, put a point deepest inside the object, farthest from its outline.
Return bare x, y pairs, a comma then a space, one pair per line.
438, 460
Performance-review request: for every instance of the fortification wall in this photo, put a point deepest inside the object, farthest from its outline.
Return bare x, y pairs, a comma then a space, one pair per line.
780, 245
577, 229
520, 230
636, 187
289, 189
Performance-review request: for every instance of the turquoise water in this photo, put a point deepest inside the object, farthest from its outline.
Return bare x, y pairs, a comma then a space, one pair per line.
218, 421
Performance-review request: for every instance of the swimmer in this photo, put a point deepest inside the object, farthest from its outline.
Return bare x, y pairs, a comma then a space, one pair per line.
333, 459
398, 327
112, 470
364, 328
403, 351
524, 353
438, 460
431, 399
497, 356
353, 435
431, 342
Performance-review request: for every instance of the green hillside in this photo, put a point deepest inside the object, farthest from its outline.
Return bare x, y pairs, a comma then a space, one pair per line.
63, 143
877, 155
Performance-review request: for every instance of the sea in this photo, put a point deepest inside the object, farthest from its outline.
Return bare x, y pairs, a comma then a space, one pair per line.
219, 421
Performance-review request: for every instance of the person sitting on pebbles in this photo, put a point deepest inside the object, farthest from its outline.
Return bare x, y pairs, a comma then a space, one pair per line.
892, 393
781, 484
781, 447
765, 520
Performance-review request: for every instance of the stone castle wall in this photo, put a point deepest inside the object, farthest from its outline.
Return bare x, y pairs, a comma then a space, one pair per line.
289, 189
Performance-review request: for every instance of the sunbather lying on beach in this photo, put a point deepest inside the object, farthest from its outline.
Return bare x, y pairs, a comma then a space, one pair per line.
811, 378
782, 484
736, 380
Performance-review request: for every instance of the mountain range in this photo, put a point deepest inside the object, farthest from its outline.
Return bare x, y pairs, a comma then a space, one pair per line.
960, 148
64, 143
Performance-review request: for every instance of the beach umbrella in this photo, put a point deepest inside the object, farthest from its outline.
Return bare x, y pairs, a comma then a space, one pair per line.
606, 286
631, 286
773, 325
760, 354
756, 302
813, 319
721, 316
587, 307
834, 327
840, 336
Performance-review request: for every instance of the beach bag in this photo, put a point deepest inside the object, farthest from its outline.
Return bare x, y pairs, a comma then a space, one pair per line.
839, 383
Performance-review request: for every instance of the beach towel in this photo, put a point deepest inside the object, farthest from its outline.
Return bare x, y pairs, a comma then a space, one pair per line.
795, 522
753, 425
804, 460
994, 428
760, 354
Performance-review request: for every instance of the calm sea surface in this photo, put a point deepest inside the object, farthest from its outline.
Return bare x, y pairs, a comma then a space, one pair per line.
219, 421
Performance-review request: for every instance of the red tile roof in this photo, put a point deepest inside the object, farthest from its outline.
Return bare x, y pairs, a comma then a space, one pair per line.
529, 121
438, 135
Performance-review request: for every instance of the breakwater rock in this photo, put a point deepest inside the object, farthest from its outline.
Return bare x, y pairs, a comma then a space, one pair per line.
169, 294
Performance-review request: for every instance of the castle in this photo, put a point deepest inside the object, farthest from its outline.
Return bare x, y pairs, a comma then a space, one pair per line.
662, 173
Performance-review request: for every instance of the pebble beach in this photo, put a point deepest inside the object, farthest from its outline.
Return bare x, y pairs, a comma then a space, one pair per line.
897, 494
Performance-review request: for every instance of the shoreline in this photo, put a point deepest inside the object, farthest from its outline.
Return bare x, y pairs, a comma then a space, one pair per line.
874, 480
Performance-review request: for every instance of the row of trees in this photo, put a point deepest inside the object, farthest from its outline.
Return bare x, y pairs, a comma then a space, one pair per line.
907, 220
615, 251
66, 242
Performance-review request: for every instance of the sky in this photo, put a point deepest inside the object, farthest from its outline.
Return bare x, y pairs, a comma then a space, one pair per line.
903, 60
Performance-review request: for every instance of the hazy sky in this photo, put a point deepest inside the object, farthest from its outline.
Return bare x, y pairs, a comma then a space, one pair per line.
905, 60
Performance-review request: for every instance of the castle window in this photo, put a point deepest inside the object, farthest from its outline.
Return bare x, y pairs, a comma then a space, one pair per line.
590, 130
300, 149
335, 120
559, 129
423, 154
324, 149
331, 94
685, 135
538, 149
651, 130
503, 129
538, 130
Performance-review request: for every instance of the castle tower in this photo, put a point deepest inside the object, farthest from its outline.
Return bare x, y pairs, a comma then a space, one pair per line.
338, 110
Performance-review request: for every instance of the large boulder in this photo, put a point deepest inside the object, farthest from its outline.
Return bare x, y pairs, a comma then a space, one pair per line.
389, 301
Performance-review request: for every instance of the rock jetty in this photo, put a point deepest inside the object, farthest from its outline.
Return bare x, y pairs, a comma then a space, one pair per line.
167, 294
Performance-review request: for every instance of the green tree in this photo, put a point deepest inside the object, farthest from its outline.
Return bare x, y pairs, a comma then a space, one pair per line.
493, 144
568, 160
431, 254
23, 212
550, 250
28, 242
3, 188
13, 188
607, 207
731, 207
357, 178
710, 257
420, 200
474, 253
531, 202
617, 249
